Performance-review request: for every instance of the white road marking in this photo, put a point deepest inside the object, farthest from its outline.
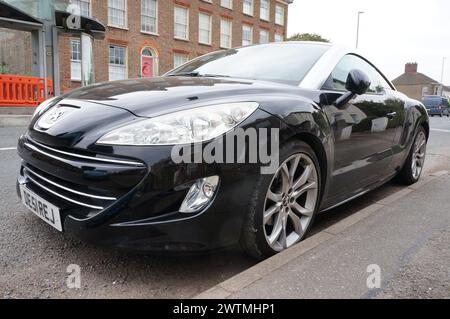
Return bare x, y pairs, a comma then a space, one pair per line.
439, 130
8, 149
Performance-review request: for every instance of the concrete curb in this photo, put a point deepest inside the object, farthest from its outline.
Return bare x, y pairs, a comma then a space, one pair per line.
244, 279
14, 120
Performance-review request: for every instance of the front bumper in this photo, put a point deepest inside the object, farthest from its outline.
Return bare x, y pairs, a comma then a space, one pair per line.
143, 216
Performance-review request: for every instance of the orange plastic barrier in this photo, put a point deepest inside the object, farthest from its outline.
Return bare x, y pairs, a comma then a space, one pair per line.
23, 90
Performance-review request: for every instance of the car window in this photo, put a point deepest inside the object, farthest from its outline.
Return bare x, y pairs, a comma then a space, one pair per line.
432, 101
286, 63
338, 77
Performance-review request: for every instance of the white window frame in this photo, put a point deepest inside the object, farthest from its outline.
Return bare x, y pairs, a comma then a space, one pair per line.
265, 18
175, 55
78, 3
156, 18
252, 10
209, 42
75, 63
124, 67
266, 32
175, 23
277, 16
230, 44
279, 36
227, 4
250, 41
125, 18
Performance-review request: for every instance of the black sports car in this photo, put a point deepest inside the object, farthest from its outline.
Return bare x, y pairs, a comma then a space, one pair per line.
99, 162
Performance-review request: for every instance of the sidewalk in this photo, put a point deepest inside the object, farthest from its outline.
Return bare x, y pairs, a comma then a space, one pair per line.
406, 234
15, 116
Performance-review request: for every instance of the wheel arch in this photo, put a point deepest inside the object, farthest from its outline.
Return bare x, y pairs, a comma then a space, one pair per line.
317, 146
426, 127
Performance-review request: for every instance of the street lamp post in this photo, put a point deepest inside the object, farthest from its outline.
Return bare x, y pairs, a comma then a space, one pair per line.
357, 29
443, 66
442, 75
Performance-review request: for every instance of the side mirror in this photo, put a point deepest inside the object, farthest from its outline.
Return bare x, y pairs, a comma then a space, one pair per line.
357, 84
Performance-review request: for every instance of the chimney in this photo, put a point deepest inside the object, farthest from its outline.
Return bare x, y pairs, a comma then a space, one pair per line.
411, 68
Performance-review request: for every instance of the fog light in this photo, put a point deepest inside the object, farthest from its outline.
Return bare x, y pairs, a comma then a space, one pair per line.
200, 195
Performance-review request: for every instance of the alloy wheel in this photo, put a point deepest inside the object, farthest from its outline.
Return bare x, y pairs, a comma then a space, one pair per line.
290, 202
419, 152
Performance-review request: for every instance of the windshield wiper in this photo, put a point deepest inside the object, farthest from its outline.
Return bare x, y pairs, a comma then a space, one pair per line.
197, 74
215, 75
193, 74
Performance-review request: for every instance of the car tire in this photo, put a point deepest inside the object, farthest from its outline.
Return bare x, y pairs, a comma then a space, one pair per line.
254, 237
407, 175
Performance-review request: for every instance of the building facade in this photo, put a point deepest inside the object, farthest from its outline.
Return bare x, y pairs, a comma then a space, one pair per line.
416, 85
146, 38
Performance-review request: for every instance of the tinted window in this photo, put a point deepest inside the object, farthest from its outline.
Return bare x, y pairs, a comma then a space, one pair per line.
431, 101
286, 63
338, 77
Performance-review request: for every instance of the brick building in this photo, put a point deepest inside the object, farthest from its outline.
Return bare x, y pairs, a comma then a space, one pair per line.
147, 38
416, 84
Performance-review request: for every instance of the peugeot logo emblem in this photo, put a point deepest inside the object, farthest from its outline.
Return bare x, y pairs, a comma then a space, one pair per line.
53, 116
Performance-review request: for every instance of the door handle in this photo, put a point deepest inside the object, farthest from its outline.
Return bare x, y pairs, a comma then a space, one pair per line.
391, 115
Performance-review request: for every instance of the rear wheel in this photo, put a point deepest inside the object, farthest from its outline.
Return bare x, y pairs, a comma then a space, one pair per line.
284, 205
413, 167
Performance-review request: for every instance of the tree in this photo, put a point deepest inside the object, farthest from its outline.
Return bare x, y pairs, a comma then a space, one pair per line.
308, 37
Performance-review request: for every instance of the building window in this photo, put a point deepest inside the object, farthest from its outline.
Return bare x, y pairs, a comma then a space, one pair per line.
248, 7
247, 34
149, 16
279, 37
117, 13
263, 36
225, 34
204, 28
84, 6
264, 12
227, 4
279, 15
181, 27
117, 63
179, 59
75, 60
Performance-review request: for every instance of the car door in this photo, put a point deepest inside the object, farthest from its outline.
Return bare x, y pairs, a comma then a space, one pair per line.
364, 130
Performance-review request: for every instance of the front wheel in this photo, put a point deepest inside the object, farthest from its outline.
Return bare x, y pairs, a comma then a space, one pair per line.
413, 167
284, 204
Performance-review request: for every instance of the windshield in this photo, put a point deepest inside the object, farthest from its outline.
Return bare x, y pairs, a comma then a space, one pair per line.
284, 62
434, 101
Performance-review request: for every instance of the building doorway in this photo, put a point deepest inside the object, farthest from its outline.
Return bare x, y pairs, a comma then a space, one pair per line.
149, 63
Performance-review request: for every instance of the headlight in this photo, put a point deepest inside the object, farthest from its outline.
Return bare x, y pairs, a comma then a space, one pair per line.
44, 106
184, 127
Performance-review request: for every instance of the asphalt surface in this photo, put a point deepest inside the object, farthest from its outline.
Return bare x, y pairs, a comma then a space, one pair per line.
34, 257
404, 243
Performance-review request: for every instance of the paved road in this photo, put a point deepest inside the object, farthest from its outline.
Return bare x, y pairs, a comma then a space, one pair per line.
34, 258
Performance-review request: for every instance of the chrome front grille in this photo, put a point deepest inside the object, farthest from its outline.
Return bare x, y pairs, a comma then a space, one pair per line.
58, 189
79, 181
59, 155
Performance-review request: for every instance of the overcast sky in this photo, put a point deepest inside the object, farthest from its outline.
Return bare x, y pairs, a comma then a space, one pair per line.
392, 32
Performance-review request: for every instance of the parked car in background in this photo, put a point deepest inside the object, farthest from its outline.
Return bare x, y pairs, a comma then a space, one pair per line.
436, 105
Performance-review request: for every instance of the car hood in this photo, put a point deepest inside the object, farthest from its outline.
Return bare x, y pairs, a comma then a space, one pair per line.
156, 96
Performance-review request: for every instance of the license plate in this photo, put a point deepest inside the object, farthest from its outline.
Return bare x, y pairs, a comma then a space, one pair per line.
42, 208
